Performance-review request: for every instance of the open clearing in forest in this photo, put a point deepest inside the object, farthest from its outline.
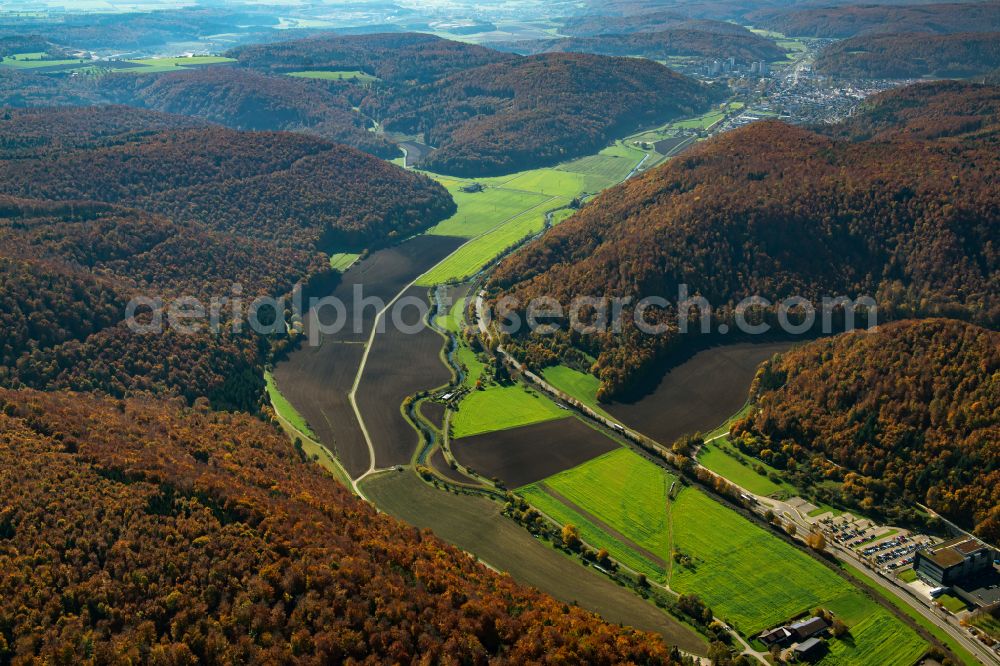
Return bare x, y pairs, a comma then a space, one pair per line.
750, 577
699, 394
401, 362
502, 407
39, 61
330, 75
476, 525
343, 260
317, 379
519, 456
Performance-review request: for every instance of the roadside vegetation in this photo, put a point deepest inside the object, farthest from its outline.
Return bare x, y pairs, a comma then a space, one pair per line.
751, 578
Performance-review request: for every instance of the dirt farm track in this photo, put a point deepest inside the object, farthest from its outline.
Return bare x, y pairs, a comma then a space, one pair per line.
399, 365
316, 380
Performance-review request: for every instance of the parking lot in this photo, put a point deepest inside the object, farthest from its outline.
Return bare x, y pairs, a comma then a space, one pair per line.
888, 549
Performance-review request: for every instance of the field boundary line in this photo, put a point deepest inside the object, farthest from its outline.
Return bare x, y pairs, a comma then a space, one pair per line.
611, 531
352, 395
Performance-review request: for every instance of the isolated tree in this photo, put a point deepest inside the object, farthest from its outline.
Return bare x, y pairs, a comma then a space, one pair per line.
571, 536
839, 629
816, 541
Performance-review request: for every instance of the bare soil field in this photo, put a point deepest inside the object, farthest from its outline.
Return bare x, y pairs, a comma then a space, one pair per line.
666, 146
400, 363
317, 379
415, 152
442, 467
433, 412
699, 394
475, 525
520, 456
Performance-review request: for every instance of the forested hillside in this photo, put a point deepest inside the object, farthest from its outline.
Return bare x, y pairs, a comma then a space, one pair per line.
732, 217
683, 41
130, 30
850, 20
912, 55
146, 531
648, 21
282, 187
942, 109
486, 112
908, 413
243, 99
397, 58
191, 211
539, 110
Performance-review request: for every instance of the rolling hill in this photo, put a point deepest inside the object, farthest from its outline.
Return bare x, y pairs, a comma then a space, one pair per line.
147, 531
682, 41
112, 203
243, 99
939, 110
908, 413
730, 219
490, 113
644, 22
397, 58
850, 20
911, 55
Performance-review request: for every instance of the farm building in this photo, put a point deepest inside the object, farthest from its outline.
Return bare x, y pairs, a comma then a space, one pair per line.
472, 188
808, 628
807, 647
954, 561
797, 631
779, 636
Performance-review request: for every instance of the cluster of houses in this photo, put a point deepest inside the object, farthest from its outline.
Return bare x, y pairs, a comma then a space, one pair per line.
804, 638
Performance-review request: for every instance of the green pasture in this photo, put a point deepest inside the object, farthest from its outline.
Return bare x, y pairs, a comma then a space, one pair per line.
343, 260
328, 75
469, 259
182, 61
480, 212
474, 368
623, 491
701, 122
749, 576
36, 61
722, 460
284, 408
878, 640
452, 320
580, 385
502, 408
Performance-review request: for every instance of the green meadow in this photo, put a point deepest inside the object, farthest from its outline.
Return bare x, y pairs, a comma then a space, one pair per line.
502, 408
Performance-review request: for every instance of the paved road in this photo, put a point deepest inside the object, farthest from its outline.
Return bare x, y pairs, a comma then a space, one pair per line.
942, 619
945, 623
